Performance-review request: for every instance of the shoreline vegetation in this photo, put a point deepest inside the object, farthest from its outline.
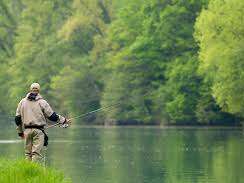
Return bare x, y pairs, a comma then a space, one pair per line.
165, 62
23, 171
167, 125
183, 125
141, 123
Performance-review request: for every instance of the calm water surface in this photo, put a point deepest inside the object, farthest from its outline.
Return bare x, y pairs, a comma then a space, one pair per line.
140, 154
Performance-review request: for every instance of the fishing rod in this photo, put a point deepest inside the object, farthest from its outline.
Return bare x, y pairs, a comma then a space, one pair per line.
83, 115
91, 112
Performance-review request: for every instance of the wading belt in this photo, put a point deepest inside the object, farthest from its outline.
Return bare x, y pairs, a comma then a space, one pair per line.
39, 128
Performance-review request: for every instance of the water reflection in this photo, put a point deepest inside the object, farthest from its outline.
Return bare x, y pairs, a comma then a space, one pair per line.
142, 155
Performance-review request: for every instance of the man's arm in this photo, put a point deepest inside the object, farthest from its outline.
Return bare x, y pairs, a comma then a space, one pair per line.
18, 120
57, 118
51, 115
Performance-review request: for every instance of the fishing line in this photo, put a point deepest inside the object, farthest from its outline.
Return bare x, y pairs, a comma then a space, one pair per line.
86, 114
95, 111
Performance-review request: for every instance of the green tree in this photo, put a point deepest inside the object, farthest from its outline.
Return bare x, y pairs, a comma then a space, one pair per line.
220, 33
141, 55
151, 44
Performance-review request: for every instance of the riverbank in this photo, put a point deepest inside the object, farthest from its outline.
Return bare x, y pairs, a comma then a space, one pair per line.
224, 122
22, 171
197, 124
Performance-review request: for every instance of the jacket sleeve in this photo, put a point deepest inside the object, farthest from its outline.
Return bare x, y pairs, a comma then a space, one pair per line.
46, 108
50, 114
18, 110
18, 119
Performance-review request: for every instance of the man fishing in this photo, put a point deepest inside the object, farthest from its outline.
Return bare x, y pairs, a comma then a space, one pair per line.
31, 118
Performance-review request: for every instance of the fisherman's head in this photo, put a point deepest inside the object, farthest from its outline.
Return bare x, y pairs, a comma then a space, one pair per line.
35, 88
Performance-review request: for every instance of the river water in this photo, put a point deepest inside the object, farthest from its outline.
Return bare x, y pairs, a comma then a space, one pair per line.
139, 154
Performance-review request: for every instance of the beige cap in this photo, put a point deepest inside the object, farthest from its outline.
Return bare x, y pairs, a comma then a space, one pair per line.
35, 85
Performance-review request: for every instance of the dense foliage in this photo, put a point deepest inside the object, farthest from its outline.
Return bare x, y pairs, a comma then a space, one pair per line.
140, 55
220, 32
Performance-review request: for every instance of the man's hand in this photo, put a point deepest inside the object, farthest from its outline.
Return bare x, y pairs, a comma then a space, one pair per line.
68, 121
22, 135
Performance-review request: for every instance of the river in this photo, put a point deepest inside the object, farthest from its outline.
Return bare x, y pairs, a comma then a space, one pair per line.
139, 154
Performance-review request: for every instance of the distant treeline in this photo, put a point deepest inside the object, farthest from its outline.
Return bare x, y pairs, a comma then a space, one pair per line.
163, 61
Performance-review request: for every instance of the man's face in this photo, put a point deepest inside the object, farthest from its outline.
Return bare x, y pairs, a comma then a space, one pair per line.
35, 90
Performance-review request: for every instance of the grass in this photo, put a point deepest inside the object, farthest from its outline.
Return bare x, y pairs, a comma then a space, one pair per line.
22, 171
